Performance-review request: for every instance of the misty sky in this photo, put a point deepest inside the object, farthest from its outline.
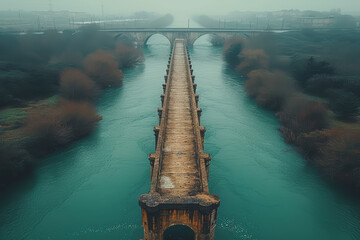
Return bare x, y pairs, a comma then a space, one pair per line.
178, 7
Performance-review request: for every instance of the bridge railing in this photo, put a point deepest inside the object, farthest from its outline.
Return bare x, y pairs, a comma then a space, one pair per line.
157, 158
200, 161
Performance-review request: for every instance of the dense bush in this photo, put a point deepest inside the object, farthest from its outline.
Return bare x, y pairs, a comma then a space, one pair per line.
89, 39
270, 89
25, 82
127, 55
250, 59
102, 67
232, 48
217, 40
345, 104
53, 127
14, 162
305, 69
301, 115
340, 161
75, 85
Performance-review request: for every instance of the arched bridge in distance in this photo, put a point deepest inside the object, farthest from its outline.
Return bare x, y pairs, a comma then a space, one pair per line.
190, 35
179, 195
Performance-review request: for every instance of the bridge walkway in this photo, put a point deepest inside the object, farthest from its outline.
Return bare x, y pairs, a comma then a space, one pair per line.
179, 175
179, 192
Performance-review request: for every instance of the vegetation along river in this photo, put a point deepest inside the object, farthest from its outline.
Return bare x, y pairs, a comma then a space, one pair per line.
90, 190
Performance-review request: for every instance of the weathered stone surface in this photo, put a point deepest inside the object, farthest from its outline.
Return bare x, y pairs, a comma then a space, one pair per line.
179, 192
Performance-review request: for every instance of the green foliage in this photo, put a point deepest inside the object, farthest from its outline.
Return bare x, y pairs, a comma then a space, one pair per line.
305, 69
20, 82
231, 52
345, 105
14, 162
12, 117
52, 100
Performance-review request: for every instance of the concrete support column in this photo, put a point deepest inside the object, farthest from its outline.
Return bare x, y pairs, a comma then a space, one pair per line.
156, 133
207, 158
194, 86
193, 78
202, 134
166, 78
152, 157
164, 87
197, 100
162, 97
160, 111
199, 110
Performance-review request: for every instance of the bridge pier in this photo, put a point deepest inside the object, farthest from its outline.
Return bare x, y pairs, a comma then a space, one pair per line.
199, 110
200, 217
197, 100
160, 111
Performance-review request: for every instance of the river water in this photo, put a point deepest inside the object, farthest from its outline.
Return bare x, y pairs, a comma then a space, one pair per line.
90, 190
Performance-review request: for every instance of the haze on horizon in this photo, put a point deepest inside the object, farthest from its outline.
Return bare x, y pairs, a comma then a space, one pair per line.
178, 8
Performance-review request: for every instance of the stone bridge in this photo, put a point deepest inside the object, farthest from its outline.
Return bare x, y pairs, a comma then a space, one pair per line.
179, 193
190, 35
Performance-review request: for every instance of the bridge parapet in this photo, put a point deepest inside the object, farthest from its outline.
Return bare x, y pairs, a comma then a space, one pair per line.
179, 193
141, 36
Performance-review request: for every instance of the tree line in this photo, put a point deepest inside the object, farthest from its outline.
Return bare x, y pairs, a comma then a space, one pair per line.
311, 81
72, 69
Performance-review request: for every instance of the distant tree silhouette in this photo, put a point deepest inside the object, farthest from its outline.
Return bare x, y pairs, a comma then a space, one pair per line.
345, 104
231, 51
303, 70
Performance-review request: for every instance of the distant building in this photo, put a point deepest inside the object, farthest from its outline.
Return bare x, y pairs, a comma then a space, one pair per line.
316, 22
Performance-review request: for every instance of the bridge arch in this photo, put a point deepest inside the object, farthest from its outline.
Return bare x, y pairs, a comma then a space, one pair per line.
221, 36
210, 36
179, 231
154, 34
124, 36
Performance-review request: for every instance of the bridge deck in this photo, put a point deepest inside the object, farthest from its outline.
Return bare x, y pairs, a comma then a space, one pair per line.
179, 193
179, 175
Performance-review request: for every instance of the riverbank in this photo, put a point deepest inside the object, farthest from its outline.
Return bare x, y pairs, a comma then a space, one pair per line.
314, 93
46, 108
90, 189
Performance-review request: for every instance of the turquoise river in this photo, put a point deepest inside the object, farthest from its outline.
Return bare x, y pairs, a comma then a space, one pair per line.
90, 190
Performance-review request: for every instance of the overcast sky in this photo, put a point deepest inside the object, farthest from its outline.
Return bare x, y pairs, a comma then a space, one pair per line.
178, 6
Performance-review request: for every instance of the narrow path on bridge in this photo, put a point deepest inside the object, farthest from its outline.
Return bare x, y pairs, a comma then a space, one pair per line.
179, 174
